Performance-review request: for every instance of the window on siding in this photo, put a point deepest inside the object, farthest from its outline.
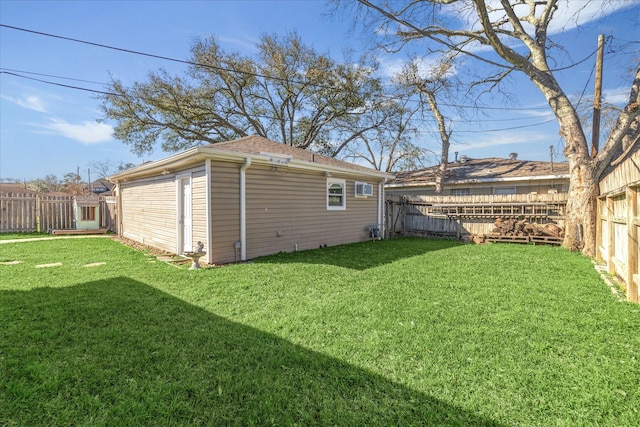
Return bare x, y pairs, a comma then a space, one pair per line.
460, 191
88, 213
506, 190
336, 194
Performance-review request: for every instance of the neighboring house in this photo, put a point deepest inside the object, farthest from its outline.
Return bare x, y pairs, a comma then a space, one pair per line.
7, 188
247, 198
101, 187
468, 176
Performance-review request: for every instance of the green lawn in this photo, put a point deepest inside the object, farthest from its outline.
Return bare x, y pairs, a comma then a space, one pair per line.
399, 332
25, 235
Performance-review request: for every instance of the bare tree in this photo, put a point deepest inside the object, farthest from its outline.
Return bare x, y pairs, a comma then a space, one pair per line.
73, 184
430, 84
387, 137
50, 183
103, 168
518, 34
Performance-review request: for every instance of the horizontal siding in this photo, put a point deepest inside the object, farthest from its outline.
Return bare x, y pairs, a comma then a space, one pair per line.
149, 209
149, 212
225, 210
199, 205
287, 210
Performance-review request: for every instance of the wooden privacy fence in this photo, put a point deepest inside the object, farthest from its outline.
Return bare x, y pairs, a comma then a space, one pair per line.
28, 212
464, 217
619, 224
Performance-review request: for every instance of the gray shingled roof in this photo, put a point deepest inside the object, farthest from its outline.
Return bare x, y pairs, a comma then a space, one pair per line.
254, 144
248, 146
496, 168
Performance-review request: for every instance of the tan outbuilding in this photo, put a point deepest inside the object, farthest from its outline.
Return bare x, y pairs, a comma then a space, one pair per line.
247, 198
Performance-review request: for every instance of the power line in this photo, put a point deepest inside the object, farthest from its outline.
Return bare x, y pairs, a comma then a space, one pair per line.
53, 76
150, 55
135, 52
511, 128
5, 71
15, 73
60, 84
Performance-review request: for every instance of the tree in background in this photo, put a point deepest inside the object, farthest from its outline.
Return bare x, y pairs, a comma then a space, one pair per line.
517, 34
289, 93
433, 82
73, 184
49, 184
104, 168
387, 138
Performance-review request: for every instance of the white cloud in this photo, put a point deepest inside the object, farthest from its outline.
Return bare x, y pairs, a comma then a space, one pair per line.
497, 139
86, 132
30, 102
617, 96
246, 44
390, 65
393, 64
569, 15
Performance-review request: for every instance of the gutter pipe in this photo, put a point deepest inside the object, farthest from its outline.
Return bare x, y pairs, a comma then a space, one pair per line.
243, 208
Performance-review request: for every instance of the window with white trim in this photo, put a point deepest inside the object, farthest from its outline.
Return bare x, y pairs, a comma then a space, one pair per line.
336, 194
504, 190
460, 191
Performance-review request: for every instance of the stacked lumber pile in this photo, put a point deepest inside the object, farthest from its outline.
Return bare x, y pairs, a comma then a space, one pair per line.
513, 230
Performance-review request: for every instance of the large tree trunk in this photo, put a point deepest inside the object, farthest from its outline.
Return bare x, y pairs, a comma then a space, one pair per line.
444, 137
581, 215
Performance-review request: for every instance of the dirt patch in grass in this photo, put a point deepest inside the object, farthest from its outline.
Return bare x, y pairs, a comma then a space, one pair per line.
142, 247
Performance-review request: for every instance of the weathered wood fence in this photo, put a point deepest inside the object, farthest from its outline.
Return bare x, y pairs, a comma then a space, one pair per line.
28, 212
463, 217
619, 224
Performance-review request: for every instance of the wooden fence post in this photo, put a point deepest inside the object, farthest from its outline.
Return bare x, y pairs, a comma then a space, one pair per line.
599, 218
611, 236
38, 212
632, 241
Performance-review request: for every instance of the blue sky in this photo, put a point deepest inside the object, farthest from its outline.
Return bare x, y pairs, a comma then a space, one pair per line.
48, 129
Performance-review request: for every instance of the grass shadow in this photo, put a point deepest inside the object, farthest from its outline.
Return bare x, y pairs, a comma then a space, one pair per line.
119, 352
363, 255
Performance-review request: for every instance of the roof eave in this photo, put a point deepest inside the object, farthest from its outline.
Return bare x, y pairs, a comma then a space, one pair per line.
176, 161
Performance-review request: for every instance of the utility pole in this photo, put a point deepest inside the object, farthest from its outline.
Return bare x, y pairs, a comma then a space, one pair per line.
597, 95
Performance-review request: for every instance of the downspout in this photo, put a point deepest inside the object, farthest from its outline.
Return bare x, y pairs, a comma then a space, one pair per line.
243, 209
119, 227
380, 208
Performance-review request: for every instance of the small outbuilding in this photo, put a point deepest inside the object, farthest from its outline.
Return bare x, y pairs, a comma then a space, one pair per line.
86, 213
247, 198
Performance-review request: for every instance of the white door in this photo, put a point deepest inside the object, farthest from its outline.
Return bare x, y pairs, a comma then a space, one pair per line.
185, 215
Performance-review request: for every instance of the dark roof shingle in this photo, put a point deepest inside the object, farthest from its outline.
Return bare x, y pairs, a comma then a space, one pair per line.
254, 144
484, 169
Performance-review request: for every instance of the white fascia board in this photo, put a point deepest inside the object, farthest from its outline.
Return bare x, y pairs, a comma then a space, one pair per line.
266, 159
177, 160
151, 167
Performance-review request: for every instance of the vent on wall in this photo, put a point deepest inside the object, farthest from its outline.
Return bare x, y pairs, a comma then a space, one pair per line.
363, 189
